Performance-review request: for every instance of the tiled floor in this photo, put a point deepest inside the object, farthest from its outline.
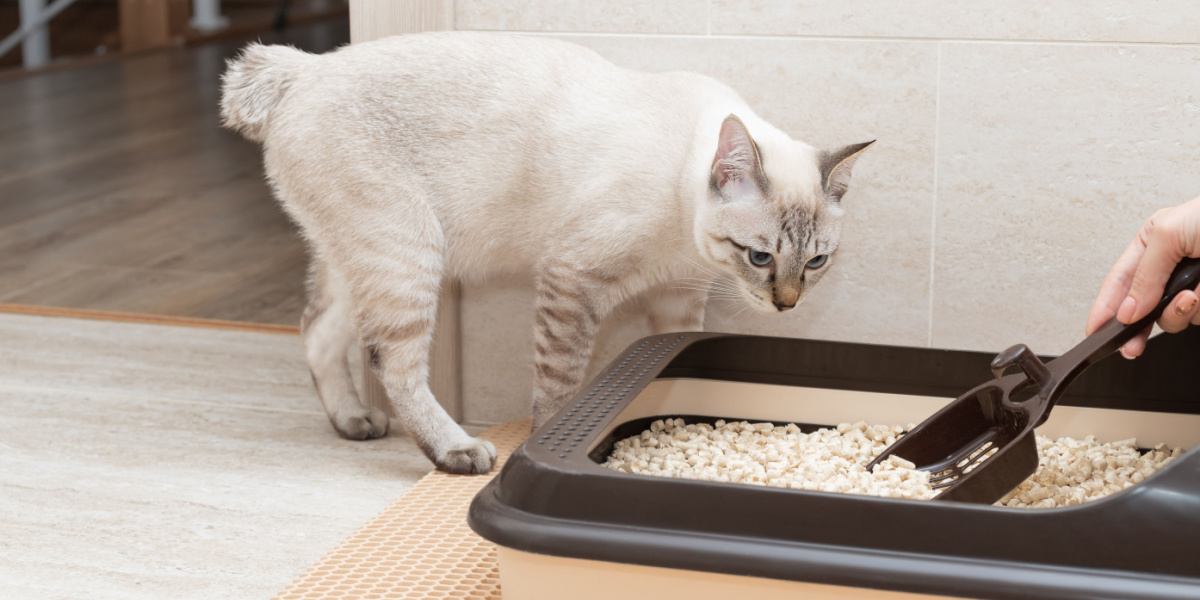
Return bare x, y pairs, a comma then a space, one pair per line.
148, 461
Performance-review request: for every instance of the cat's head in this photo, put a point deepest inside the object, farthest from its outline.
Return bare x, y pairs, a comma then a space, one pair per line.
772, 216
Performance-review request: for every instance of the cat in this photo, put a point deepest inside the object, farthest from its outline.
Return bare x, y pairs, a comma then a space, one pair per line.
412, 159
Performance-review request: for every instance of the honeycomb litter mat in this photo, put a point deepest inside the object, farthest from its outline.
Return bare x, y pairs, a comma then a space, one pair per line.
420, 546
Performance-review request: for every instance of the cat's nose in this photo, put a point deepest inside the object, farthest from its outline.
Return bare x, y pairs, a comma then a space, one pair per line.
786, 298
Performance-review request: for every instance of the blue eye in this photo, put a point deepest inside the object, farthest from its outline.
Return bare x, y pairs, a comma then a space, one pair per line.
760, 259
817, 262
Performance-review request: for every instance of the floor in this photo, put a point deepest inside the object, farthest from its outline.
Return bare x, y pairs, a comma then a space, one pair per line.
90, 28
119, 191
420, 547
149, 461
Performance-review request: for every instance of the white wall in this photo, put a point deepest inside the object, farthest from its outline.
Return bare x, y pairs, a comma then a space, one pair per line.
1020, 145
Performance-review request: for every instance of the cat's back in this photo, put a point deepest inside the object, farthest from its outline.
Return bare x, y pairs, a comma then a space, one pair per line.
494, 129
426, 99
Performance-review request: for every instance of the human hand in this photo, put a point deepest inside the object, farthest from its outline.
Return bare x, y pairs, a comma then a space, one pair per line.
1135, 284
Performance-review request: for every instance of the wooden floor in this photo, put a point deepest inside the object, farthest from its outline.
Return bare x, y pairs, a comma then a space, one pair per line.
119, 191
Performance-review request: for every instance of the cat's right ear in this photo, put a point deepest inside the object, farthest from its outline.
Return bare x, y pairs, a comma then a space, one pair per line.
737, 167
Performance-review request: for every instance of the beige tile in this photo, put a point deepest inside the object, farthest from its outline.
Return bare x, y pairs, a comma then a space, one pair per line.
497, 350
829, 94
1049, 159
135, 462
610, 16
1172, 21
126, 497
497, 347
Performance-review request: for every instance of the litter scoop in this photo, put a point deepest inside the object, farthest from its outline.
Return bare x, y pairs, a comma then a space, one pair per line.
982, 445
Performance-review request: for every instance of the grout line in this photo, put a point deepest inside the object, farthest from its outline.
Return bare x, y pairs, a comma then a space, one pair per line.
145, 318
708, 18
937, 132
848, 38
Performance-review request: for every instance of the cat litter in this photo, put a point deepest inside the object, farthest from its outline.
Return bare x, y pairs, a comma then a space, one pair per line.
1071, 471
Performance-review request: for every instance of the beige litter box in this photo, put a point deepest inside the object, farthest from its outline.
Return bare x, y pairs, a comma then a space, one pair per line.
568, 527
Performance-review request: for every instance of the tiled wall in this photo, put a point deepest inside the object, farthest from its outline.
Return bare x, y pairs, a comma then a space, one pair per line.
1020, 145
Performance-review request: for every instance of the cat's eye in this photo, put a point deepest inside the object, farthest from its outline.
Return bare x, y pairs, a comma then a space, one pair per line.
760, 259
817, 262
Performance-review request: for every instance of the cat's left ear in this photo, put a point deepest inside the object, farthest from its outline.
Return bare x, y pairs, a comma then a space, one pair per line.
737, 171
835, 169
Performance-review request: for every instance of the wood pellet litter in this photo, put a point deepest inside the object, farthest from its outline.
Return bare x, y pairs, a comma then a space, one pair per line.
1071, 471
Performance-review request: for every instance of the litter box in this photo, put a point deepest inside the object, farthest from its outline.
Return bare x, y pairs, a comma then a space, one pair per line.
567, 527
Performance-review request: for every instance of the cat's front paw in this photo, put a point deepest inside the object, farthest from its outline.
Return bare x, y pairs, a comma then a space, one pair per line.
474, 457
360, 423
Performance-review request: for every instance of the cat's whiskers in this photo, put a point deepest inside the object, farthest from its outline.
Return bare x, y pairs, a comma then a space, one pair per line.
725, 297
713, 289
711, 293
705, 284
704, 269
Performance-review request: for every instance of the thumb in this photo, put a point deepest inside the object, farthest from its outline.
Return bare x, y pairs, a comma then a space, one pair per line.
1163, 252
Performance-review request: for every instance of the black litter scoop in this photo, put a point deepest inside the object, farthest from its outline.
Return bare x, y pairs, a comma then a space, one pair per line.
982, 445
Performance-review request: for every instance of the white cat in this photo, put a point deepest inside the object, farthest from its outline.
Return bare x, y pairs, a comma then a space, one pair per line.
416, 158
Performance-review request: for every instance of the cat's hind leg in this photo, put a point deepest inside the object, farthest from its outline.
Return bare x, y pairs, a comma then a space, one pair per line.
330, 334
395, 281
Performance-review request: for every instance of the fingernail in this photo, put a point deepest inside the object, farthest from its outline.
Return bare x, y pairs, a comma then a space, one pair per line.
1187, 305
1125, 312
1126, 354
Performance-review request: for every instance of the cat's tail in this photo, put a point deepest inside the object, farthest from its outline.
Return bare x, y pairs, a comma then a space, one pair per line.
253, 84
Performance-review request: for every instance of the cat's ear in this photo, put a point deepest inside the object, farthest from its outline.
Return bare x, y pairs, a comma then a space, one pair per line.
737, 168
836, 167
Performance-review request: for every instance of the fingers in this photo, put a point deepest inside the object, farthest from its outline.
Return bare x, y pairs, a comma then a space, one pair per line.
1134, 285
1115, 286
1136, 346
1180, 312
1163, 252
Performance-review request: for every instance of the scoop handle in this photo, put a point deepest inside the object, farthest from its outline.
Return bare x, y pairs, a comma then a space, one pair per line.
1113, 334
